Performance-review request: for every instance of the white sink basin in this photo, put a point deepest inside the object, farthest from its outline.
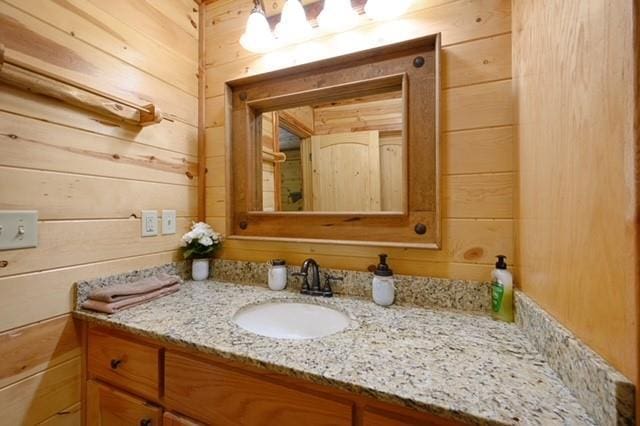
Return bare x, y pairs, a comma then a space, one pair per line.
291, 320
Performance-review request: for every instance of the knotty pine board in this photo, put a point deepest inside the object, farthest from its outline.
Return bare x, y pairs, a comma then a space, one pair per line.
578, 182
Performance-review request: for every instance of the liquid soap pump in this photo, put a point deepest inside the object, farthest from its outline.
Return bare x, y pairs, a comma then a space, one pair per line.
383, 284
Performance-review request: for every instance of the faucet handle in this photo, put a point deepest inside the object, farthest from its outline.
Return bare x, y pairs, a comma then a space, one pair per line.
326, 290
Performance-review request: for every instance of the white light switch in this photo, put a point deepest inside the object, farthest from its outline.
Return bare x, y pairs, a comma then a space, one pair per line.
18, 229
149, 223
168, 222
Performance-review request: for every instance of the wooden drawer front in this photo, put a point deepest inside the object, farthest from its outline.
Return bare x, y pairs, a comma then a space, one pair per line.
124, 363
109, 407
219, 396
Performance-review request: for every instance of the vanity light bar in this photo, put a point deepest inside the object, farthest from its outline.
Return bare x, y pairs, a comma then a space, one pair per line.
295, 23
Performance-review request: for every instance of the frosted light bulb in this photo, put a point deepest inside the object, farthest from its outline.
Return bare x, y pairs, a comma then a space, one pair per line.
293, 24
257, 36
337, 15
386, 9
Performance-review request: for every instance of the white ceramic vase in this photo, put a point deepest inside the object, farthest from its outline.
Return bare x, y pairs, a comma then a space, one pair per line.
200, 269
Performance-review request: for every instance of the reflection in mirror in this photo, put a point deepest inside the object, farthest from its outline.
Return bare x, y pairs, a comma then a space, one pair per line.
339, 156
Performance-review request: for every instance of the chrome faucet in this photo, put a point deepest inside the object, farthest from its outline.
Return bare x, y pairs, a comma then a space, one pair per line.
313, 287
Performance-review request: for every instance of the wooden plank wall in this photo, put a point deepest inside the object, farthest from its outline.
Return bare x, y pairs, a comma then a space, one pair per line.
88, 177
477, 163
574, 78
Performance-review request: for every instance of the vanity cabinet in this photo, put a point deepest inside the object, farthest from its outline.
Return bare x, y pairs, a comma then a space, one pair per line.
142, 382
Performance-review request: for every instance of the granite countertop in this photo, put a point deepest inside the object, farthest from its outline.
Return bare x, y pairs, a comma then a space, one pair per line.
455, 364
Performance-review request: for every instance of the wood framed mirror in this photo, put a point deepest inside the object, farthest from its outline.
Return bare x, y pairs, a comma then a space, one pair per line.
342, 150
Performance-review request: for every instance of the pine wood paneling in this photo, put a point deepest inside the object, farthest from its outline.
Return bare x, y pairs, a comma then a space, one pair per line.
476, 147
216, 171
88, 176
149, 19
35, 144
478, 61
66, 196
41, 396
215, 142
70, 416
170, 135
574, 70
40, 44
477, 106
36, 347
67, 243
478, 151
101, 30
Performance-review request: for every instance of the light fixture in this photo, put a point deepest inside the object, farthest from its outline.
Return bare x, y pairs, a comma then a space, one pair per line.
386, 9
293, 26
337, 15
257, 35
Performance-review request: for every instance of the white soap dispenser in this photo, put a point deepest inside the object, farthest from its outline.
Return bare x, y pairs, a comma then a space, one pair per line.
384, 290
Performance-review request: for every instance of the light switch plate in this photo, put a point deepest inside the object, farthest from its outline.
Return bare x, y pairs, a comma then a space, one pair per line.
149, 223
168, 222
18, 229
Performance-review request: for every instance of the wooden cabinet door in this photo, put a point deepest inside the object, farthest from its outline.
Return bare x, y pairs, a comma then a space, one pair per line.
218, 396
109, 407
346, 172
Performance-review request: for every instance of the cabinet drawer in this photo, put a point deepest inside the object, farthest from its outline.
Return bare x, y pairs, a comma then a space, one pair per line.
219, 396
124, 363
109, 407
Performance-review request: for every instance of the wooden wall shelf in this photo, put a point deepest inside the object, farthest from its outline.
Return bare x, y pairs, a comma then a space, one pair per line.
32, 79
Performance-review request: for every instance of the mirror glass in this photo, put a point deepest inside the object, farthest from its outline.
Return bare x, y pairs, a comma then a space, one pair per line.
346, 155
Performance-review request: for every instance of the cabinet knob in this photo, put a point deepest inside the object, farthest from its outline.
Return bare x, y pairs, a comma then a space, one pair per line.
145, 422
115, 363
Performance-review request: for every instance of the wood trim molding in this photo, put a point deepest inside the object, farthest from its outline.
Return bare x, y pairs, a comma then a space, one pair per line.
202, 145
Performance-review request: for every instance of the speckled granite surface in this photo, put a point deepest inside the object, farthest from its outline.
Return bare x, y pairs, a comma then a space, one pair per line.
454, 364
418, 291
607, 394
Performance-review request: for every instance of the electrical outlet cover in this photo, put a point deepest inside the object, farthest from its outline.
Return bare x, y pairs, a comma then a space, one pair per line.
168, 222
149, 223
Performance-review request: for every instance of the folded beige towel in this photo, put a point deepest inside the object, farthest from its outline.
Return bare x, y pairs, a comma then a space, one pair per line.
118, 292
128, 302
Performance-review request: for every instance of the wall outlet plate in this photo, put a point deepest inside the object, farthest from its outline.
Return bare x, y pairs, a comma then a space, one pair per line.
168, 222
18, 229
149, 223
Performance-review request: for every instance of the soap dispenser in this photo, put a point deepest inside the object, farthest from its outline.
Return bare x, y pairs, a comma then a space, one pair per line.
502, 291
383, 286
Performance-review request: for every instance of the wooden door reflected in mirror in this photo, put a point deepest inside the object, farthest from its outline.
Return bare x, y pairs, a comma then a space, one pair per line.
340, 156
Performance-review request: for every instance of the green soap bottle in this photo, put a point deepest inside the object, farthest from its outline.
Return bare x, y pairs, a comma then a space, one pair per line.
502, 291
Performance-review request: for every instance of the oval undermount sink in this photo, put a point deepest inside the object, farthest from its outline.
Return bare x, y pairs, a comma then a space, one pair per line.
291, 320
